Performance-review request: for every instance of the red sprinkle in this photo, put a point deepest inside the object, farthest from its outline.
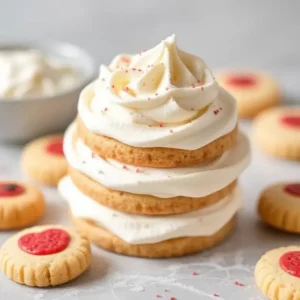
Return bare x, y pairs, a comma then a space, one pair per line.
125, 167
171, 131
195, 274
125, 59
138, 170
126, 88
105, 109
238, 283
161, 125
193, 86
216, 295
216, 111
173, 298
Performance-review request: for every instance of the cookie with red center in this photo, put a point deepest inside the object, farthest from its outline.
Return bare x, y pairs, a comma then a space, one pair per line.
277, 273
279, 206
254, 91
277, 132
43, 160
45, 256
20, 205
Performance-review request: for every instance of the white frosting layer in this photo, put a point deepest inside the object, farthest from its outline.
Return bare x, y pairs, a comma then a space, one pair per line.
163, 97
194, 181
30, 73
137, 229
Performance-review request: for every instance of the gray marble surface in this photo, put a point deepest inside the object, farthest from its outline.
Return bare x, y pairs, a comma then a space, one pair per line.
262, 34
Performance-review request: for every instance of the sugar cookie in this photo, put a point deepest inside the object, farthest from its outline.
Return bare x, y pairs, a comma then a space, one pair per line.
253, 90
279, 206
154, 157
20, 205
43, 160
45, 256
277, 132
277, 273
144, 204
170, 248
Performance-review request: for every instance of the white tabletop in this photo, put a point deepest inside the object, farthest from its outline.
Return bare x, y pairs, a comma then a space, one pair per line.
255, 33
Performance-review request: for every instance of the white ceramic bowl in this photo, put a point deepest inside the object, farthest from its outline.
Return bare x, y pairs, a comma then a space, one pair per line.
25, 119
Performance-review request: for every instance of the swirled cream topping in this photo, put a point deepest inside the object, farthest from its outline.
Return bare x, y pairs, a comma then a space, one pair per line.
163, 97
30, 73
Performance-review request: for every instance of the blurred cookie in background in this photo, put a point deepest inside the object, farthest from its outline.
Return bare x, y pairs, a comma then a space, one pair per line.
43, 160
277, 132
254, 91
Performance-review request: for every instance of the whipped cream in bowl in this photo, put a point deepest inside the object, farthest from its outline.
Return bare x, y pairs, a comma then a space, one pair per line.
40, 83
31, 73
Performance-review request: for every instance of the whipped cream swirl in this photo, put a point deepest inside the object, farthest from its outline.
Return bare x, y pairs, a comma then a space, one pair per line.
139, 229
163, 97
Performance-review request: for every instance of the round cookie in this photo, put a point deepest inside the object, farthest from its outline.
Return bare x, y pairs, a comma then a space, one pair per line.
279, 206
277, 132
144, 204
45, 256
277, 273
43, 160
170, 248
109, 148
20, 205
254, 91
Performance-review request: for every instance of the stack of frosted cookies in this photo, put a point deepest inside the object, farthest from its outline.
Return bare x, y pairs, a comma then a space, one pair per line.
154, 156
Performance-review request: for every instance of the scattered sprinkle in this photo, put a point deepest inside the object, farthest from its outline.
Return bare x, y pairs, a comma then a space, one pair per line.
216, 111
125, 167
113, 86
158, 296
105, 109
126, 71
215, 295
138, 170
167, 88
237, 283
149, 98
221, 108
93, 155
133, 69
103, 79
149, 126
202, 89
193, 86
83, 161
195, 274
169, 176
125, 59
171, 131
161, 124
100, 172
198, 81
173, 298
166, 290
156, 94
140, 70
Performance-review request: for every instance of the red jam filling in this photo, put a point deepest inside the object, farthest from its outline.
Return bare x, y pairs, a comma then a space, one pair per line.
290, 263
242, 81
293, 189
11, 190
291, 121
47, 242
55, 147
